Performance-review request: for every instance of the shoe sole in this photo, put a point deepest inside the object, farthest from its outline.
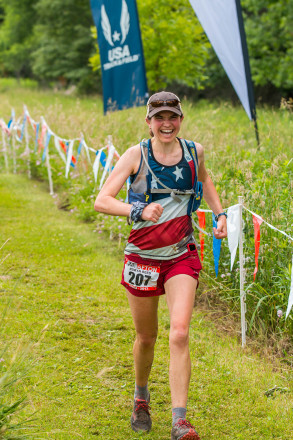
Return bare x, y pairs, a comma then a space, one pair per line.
188, 436
139, 429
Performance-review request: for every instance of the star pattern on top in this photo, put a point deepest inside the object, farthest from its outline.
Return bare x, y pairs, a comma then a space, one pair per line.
178, 173
154, 184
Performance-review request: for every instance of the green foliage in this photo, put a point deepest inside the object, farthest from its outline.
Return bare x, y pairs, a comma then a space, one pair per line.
263, 177
83, 385
16, 38
175, 46
65, 42
95, 60
269, 25
9, 430
14, 366
52, 41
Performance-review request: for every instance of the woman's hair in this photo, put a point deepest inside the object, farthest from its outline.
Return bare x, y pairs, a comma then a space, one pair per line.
151, 132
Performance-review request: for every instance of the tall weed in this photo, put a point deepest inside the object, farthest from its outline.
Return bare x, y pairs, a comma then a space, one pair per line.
15, 365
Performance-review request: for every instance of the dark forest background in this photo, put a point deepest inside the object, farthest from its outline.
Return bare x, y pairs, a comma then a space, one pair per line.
54, 43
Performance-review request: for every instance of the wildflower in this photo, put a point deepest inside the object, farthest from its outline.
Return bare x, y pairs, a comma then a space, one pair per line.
279, 313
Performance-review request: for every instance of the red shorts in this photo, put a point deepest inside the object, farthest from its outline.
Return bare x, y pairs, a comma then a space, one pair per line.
146, 277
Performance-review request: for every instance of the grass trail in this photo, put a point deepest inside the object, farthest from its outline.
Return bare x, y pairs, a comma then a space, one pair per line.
69, 305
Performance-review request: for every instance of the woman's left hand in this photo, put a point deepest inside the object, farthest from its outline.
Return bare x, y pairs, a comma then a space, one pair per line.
221, 230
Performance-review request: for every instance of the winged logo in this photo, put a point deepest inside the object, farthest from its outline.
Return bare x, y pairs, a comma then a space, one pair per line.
106, 26
124, 21
124, 24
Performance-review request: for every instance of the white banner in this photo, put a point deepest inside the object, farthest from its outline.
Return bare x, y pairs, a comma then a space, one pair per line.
219, 20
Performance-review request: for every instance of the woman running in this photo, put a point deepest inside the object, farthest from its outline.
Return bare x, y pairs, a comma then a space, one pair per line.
168, 176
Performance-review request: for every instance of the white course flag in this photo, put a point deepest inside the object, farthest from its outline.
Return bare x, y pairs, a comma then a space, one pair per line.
222, 22
108, 165
233, 230
69, 158
96, 164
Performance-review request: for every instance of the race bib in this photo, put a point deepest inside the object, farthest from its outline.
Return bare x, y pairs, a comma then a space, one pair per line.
140, 276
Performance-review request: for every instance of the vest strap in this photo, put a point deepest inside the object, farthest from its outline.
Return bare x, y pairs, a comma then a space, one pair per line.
180, 192
165, 190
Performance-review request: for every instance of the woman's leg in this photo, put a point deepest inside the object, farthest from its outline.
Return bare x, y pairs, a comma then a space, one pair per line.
180, 295
145, 317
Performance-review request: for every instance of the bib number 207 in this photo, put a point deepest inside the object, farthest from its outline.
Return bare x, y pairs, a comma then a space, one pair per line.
140, 276
139, 279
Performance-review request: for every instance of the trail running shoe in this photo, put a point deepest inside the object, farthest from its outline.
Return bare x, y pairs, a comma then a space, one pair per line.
140, 418
183, 430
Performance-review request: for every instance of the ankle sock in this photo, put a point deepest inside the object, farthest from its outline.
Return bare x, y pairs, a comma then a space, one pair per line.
141, 392
178, 413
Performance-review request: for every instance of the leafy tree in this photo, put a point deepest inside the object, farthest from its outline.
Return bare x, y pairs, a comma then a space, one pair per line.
65, 42
269, 27
52, 40
1, 14
17, 18
175, 46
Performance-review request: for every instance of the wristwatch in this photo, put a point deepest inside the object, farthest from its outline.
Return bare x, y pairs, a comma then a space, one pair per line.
219, 215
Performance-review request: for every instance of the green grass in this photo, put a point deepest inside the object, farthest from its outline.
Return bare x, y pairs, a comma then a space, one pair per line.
263, 176
71, 310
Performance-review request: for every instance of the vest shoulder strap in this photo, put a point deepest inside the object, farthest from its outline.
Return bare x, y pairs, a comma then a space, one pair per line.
193, 152
173, 192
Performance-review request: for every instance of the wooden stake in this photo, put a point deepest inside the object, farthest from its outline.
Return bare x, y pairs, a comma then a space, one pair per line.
242, 274
49, 173
5, 151
13, 150
27, 150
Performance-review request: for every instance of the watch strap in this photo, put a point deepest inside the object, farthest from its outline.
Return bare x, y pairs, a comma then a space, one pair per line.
219, 215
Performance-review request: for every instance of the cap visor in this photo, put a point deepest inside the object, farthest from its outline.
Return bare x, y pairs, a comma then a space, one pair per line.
156, 110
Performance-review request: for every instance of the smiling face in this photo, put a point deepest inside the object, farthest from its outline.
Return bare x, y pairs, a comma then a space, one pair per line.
165, 126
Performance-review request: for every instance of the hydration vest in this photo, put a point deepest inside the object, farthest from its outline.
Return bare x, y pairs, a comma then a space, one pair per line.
140, 189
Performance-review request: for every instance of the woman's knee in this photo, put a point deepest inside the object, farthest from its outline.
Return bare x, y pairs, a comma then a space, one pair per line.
146, 340
179, 335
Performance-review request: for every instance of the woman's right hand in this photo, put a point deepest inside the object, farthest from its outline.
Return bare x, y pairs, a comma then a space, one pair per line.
152, 212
